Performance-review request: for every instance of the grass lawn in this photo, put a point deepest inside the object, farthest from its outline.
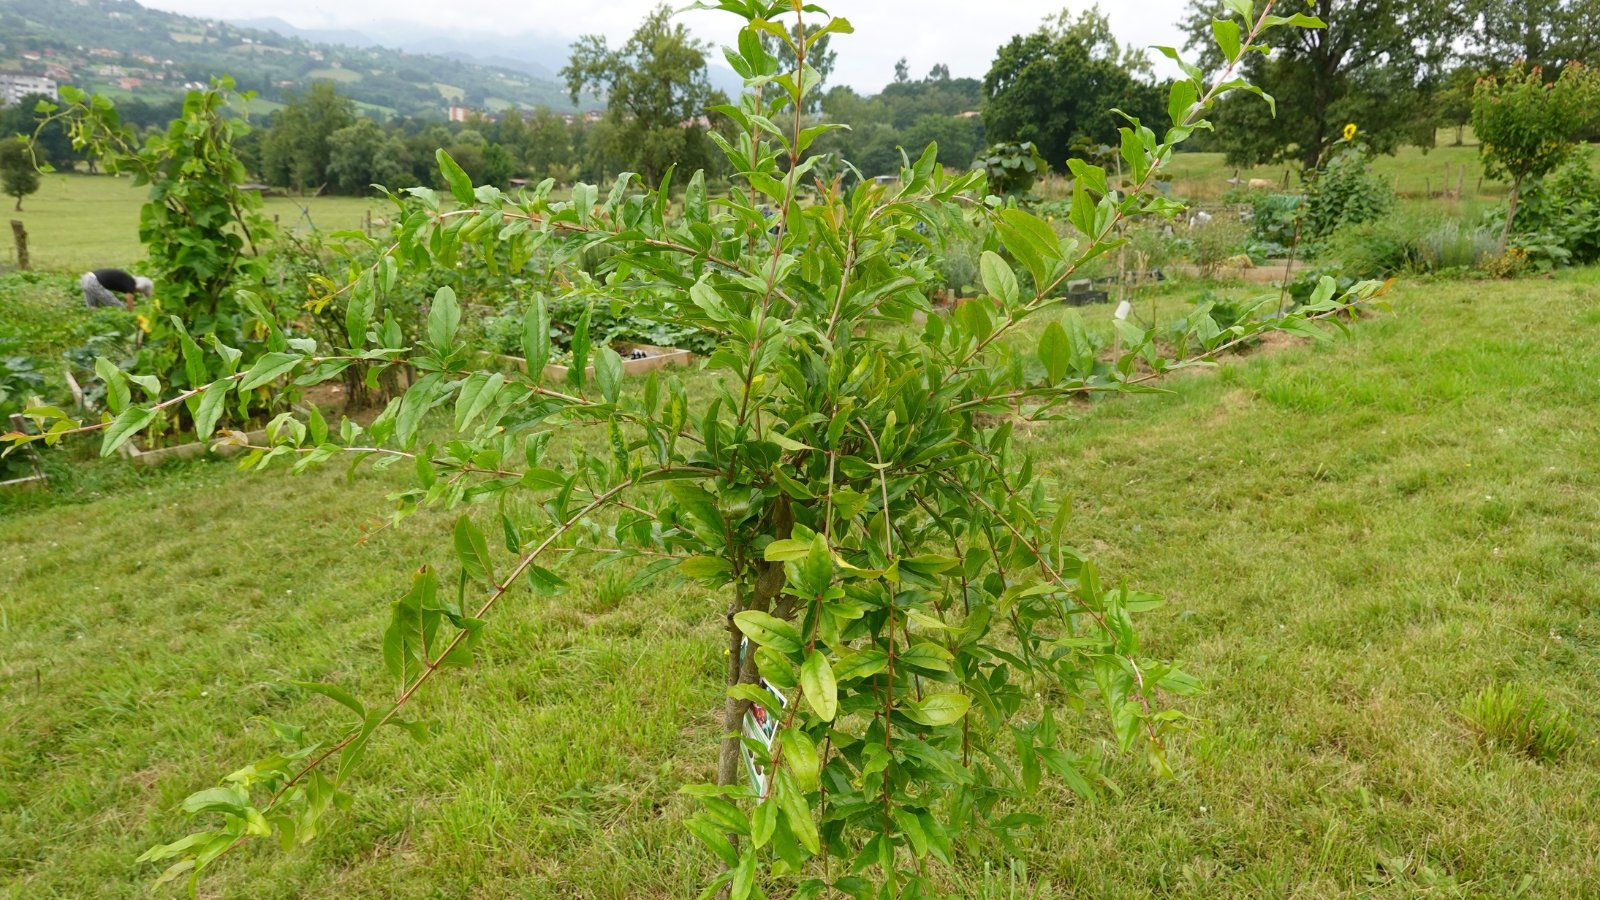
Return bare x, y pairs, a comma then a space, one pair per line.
1352, 539
81, 222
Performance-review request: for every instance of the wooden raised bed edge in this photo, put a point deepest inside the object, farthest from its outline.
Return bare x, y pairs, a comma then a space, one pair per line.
659, 358
220, 445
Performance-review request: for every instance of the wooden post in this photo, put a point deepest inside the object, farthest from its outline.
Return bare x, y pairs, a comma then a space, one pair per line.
1427, 187
369, 223
20, 233
1461, 180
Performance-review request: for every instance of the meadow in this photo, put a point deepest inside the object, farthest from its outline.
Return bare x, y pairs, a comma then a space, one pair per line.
82, 222
1353, 538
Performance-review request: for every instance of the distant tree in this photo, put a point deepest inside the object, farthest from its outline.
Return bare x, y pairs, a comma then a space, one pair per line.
499, 165
298, 146
363, 154
18, 177
1543, 33
1055, 87
1375, 64
957, 138
654, 85
1526, 127
902, 72
940, 72
549, 144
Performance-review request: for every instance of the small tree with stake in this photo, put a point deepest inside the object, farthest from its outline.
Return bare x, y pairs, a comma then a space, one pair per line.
883, 554
1527, 127
18, 176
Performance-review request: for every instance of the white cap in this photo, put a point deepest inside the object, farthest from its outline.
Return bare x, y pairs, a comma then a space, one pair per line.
144, 285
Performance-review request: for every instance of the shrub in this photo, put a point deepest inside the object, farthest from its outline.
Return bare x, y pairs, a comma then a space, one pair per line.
1274, 217
1375, 249
1565, 206
1210, 244
1345, 193
1011, 167
1510, 718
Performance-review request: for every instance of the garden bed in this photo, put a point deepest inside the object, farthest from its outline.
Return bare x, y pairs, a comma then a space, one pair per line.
654, 358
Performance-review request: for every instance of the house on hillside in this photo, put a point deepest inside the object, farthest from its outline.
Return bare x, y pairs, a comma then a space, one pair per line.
130, 84
16, 85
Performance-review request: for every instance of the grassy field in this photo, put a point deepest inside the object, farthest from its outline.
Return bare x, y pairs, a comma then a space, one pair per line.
82, 222
1352, 538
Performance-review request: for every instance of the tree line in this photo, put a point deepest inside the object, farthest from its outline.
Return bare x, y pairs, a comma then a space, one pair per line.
1401, 69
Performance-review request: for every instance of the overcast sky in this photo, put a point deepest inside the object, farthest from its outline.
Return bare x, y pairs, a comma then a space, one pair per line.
961, 33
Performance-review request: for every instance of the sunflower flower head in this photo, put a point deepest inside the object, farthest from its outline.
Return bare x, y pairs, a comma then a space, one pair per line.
1350, 131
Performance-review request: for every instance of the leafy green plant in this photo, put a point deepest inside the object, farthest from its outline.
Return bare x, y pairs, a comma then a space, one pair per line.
1520, 721
20, 385
1210, 244
1566, 206
204, 235
1276, 218
894, 584
1344, 192
1376, 249
1012, 167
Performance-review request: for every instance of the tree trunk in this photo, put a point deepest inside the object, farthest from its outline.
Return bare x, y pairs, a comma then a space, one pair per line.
1459, 130
1511, 213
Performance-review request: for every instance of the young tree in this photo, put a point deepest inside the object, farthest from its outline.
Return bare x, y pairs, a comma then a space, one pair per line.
654, 85
895, 586
1526, 127
1057, 87
18, 176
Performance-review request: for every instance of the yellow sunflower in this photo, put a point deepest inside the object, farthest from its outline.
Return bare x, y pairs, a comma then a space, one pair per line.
1350, 131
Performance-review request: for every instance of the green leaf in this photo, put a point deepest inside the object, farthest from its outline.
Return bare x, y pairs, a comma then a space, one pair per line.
769, 631
473, 551
478, 393
998, 279
608, 374
821, 691
796, 811
117, 394
1055, 351
335, 693
1180, 98
536, 337
127, 424
444, 317
939, 709
800, 757
1226, 33
706, 568
267, 368
456, 177
212, 401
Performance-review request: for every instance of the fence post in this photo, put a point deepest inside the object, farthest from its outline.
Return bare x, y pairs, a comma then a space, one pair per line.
20, 233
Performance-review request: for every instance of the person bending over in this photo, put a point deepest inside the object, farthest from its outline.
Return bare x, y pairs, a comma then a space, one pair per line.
101, 287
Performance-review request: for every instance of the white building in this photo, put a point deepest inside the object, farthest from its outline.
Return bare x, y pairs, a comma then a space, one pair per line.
16, 85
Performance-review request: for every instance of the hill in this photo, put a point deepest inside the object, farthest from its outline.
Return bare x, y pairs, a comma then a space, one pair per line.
124, 50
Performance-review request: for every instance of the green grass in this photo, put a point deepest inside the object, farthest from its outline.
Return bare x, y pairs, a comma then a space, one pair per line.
81, 222
1354, 539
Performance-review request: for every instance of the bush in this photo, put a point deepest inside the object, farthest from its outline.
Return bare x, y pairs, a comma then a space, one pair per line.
1345, 193
1211, 244
1376, 249
1563, 208
1510, 718
1273, 217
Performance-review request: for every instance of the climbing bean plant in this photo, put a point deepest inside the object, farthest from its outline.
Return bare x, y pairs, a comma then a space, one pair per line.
893, 580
